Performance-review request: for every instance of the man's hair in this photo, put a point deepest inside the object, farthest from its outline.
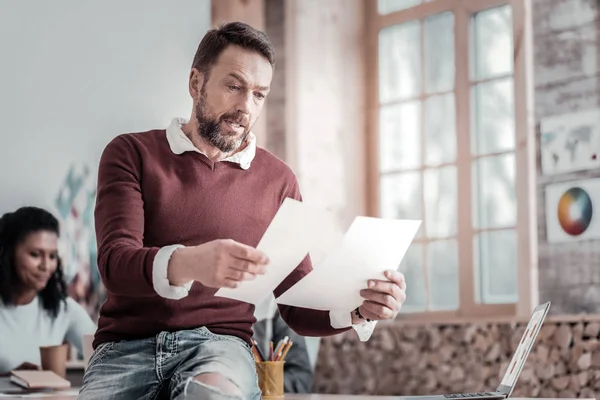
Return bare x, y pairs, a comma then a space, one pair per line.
232, 33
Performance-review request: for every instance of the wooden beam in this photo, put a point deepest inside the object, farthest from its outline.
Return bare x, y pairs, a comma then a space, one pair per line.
248, 11
251, 12
528, 276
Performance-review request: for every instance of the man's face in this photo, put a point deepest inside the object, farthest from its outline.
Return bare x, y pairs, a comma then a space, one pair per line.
231, 97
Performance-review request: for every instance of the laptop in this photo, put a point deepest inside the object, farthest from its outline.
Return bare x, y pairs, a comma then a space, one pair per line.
505, 389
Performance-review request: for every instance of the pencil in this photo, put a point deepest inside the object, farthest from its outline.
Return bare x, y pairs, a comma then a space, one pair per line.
277, 348
279, 351
285, 351
260, 354
255, 354
279, 355
271, 350
280, 345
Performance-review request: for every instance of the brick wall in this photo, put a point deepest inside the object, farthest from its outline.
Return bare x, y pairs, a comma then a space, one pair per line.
566, 70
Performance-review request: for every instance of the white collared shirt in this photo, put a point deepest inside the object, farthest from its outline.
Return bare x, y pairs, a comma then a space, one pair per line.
179, 143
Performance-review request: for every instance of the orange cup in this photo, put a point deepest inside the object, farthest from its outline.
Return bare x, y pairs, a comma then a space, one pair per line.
270, 379
54, 358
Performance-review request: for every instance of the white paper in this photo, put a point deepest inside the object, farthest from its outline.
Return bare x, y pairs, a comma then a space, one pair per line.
294, 231
370, 247
266, 309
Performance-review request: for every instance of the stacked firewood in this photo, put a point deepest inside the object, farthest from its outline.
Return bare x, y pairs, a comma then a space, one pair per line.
402, 359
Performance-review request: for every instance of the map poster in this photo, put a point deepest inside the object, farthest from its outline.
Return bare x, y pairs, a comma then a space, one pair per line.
572, 210
570, 142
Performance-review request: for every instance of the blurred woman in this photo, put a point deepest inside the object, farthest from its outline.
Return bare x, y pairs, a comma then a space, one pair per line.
34, 308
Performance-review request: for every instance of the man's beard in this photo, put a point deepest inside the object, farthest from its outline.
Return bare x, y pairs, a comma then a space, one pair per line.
209, 127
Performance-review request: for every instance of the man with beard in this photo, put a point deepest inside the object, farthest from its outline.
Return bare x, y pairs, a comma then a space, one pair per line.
178, 215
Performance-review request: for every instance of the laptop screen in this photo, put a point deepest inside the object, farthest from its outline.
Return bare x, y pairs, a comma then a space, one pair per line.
518, 361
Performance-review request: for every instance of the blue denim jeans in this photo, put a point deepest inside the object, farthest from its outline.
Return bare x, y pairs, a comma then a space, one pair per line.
163, 367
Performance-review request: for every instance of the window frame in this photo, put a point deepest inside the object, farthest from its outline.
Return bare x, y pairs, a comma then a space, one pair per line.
525, 148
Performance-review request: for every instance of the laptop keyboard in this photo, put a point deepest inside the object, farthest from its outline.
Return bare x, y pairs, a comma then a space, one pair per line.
462, 395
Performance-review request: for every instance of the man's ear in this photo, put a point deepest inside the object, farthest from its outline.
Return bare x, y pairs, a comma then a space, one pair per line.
195, 83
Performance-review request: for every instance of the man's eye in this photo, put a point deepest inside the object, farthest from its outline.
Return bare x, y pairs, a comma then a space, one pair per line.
234, 87
260, 96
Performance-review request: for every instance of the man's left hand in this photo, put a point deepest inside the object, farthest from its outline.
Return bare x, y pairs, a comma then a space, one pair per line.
383, 299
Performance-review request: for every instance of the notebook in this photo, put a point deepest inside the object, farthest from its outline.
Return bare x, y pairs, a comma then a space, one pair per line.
32, 379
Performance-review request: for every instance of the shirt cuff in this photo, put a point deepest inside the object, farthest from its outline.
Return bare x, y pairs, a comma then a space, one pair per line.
343, 319
161, 283
364, 330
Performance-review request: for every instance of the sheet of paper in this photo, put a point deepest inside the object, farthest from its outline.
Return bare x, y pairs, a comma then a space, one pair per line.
265, 309
294, 231
329, 235
369, 248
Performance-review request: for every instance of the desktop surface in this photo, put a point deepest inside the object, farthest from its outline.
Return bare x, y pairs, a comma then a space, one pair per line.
292, 397
5, 384
369, 397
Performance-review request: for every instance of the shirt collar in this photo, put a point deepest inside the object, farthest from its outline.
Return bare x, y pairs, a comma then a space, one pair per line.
180, 143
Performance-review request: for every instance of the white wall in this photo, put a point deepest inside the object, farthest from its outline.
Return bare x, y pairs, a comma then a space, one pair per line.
76, 73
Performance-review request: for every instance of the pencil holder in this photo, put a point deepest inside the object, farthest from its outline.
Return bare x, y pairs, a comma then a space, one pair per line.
270, 379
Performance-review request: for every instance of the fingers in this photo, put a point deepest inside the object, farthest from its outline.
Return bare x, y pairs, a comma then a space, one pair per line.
396, 277
247, 266
381, 299
388, 288
369, 311
230, 283
384, 298
244, 252
243, 270
28, 365
237, 275
376, 311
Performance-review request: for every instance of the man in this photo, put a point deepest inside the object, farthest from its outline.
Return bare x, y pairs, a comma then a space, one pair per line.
298, 369
178, 215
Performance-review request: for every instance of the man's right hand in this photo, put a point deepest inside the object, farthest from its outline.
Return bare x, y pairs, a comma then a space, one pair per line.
220, 263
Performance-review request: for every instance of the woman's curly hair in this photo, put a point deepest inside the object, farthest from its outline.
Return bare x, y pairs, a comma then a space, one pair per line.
14, 228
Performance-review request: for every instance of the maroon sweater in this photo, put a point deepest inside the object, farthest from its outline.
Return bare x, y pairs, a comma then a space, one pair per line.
149, 197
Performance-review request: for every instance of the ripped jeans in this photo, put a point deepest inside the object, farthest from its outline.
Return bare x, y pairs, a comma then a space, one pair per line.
163, 367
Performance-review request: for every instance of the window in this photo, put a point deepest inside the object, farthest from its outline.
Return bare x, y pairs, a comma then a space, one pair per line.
448, 104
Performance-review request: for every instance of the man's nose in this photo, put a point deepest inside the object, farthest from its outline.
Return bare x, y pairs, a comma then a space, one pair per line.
245, 104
